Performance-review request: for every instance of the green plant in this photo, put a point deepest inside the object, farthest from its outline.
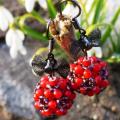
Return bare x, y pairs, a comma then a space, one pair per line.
97, 16
90, 19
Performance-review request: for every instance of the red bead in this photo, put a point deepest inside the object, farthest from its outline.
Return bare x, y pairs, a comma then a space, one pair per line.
87, 74
79, 81
52, 104
36, 98
44, 78
93, 59
98, 80
61, 112
69, 105
79, 70
57, 93
73, 96
46, 113
90, 93
83, 90
105, 83
39, 92
53, 81
74, 85
47, 93
86, 63
37, 105
72, 66
63, 83
68, 93
80, 60
103, 64
96, 90
97, 67
43, 84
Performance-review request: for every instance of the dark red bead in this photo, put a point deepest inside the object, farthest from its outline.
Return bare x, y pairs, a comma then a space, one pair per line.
57, 93
97, 67
61, 112
90, 93
96, 90
83, 90
98, 80
105, 83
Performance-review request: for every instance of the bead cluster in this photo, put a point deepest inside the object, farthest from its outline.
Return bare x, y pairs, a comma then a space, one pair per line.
88, 75
54, 96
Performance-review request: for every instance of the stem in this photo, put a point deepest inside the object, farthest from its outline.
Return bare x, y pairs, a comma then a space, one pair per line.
34, 15
20, 21
38, 17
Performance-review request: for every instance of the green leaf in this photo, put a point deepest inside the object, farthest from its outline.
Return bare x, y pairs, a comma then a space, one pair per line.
92, 8
99, 6
109, 29
33, 33
51, 8
112, 43
38, 17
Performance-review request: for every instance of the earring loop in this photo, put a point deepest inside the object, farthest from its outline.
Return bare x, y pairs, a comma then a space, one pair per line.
73, 2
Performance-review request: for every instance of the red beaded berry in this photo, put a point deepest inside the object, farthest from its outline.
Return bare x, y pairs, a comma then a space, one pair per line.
88, 76
53, 96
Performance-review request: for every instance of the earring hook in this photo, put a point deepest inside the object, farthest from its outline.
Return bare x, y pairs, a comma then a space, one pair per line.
73, 2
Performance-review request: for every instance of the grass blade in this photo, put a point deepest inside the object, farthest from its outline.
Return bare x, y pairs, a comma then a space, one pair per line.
99, 6
109, 29
51, 8
92, 8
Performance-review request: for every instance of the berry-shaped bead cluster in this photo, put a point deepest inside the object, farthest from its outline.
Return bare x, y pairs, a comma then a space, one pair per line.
88, 75
53, 96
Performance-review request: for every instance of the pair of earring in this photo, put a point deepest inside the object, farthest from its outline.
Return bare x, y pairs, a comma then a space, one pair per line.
55, 92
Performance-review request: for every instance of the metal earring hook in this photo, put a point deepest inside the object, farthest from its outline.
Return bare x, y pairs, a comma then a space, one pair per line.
73, 2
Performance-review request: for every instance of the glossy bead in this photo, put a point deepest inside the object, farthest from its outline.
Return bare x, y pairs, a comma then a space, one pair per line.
79, 70
87, 74
37, 105
86, 63
39, 92
79, 81
52, 104
57, 93
46, 112
97, 67
47, 93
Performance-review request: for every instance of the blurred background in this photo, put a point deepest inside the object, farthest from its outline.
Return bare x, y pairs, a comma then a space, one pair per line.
22, 33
